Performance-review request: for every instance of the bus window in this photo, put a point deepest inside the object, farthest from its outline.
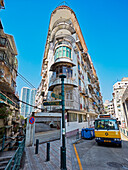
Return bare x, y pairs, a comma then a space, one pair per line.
106, 124
99, 124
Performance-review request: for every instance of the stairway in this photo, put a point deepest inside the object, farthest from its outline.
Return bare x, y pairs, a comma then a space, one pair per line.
4, 161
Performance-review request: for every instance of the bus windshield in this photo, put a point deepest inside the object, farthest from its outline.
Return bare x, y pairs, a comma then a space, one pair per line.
108, 124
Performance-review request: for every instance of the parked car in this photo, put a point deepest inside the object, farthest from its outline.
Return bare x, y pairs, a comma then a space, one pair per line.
53, 124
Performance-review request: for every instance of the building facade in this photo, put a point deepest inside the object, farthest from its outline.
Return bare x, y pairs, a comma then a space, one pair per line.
28, 96
8, 73
66, 53
39, 98
109, 107
118, 91
32, 99
124, 100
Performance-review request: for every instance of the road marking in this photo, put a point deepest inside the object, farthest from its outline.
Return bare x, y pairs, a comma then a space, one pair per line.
77, 156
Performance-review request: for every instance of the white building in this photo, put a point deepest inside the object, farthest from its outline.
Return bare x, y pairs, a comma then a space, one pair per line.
124, 100
66, 53
28, 96
118, 91
39, 98
109, 107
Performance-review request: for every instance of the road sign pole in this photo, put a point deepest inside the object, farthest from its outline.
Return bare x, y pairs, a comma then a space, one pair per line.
63, 148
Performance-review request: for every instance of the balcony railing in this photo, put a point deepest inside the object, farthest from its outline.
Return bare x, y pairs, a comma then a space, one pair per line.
7, 100
57, 81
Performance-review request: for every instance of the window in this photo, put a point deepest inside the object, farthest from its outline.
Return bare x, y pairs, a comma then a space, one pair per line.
66, 70
80, 118
78, 66
1, 55
88, 79
69, 95
79, 82
2, 41
63, 52
106, 124
97, 93
84, 118
71, 117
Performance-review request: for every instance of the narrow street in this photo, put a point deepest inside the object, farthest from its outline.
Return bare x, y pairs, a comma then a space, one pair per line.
94, 157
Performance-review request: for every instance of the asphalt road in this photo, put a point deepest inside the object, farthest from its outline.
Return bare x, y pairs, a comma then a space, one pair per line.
105, 157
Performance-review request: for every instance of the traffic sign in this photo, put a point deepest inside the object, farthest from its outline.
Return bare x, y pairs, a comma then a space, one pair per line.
47, 103
31, 120
56, 96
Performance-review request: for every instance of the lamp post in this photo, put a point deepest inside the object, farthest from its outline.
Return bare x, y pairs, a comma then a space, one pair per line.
63, 148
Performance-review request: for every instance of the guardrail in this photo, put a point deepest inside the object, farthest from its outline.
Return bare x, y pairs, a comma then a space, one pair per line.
16, 157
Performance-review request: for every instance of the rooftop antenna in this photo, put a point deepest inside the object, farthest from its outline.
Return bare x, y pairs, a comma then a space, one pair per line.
63, 3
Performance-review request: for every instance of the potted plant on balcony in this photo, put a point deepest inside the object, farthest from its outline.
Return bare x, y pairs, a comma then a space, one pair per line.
4, 114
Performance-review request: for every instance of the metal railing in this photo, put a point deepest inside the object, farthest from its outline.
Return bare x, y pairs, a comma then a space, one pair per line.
57, 80
124, 131
8, 100
14, 162
10, 142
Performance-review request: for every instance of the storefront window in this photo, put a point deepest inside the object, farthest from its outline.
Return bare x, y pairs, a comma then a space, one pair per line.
63, 52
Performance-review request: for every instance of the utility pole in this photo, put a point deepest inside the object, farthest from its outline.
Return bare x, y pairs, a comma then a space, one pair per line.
63, 148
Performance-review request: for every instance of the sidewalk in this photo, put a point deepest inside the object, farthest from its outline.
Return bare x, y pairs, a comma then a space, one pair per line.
32, 161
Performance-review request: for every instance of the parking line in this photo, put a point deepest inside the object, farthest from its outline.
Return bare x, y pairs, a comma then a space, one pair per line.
77, 156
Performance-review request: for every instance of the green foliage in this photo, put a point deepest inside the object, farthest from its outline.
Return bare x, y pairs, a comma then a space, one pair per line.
4, 112
21, 117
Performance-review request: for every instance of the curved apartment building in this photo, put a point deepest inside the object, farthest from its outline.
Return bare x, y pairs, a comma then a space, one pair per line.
66, 53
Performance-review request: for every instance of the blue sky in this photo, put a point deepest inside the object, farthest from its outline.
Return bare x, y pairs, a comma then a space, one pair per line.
104, 24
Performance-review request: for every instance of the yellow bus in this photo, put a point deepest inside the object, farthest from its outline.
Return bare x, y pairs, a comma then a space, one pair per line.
107, 130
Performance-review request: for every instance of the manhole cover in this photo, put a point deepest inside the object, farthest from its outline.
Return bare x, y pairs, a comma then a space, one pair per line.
114, 164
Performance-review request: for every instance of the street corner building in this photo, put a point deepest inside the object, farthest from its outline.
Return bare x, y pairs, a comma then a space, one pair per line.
9, 99
66, 53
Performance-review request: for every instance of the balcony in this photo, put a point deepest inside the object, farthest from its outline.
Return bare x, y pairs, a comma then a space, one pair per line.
84, 55
78, 57
85, 68
62, 62
78, 43
79, 71
57, 81
69, 104
7, 84
82, 63
84, 92
8, 101
90, 85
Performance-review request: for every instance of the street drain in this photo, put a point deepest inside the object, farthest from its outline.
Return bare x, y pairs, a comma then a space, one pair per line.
115, 164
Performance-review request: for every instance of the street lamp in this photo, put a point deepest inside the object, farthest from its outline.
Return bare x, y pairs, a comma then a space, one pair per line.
63, 148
